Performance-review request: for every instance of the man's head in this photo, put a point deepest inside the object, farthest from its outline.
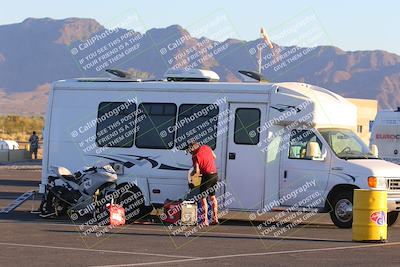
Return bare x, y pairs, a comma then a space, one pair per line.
192, 147
33, 132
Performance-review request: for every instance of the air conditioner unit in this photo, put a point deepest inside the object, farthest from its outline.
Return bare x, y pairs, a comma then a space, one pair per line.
191, 75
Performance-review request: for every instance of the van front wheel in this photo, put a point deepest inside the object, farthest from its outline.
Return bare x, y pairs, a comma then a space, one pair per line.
392, 217
342, 209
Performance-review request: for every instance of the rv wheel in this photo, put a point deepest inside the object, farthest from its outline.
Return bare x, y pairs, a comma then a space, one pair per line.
342, 209
392, 217
132, 201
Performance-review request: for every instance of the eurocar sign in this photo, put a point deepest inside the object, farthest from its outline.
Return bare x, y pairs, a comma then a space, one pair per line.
388, 136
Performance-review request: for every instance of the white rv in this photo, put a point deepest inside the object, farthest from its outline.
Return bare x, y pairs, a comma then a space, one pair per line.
276, 143
385, 134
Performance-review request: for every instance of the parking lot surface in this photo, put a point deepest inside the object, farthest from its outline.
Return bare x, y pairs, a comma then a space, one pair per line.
28, 240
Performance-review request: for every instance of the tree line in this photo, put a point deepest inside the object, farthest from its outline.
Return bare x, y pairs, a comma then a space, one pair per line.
19, 128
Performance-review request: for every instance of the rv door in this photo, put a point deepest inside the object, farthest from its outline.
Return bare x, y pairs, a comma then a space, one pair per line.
304, 171
245, 165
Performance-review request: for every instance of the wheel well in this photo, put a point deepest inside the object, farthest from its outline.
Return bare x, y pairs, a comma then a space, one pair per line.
336, 189
129, 186
132, 186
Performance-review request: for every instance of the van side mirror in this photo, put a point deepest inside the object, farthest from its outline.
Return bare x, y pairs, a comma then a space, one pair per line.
314, 151
374, 150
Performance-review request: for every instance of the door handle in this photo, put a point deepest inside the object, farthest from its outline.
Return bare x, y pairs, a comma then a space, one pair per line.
337, 169
284, 174
232, 155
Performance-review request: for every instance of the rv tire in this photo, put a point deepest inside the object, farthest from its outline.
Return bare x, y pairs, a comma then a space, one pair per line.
342, 209
392, 217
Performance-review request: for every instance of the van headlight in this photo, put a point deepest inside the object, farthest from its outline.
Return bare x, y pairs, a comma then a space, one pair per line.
377, 182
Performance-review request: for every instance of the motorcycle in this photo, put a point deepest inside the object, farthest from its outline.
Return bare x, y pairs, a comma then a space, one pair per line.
80, 193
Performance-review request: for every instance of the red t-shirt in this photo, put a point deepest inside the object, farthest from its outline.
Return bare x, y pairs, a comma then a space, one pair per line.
205, 158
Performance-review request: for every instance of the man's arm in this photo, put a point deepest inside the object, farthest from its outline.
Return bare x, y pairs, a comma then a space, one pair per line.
196, 170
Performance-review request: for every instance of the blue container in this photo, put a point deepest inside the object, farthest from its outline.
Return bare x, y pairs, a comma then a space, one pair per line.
200, 212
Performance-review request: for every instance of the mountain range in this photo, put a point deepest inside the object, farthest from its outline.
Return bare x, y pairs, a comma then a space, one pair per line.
36, 52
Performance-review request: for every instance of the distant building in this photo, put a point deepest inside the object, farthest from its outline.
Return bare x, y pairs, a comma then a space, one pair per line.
366, 113
8, 145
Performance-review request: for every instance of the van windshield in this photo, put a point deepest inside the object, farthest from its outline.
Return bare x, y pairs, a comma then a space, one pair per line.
346, 144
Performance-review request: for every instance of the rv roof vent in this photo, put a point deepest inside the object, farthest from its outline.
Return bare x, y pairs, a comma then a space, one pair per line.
191, 75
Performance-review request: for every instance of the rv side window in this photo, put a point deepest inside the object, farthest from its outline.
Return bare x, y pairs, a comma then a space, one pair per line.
154, 129
247, 120
198, 121
115, 124
299, 143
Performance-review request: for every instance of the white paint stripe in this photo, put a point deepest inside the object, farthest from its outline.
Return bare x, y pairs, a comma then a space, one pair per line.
252, 254
96, 250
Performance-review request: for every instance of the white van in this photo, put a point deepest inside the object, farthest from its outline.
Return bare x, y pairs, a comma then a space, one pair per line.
385, 134
270, 140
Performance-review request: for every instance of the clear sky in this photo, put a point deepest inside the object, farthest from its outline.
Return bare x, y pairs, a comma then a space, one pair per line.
350, 25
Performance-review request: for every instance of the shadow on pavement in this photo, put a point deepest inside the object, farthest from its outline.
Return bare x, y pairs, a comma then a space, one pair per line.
9, 182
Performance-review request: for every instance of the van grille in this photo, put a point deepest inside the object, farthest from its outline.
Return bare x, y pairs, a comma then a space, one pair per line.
394, 184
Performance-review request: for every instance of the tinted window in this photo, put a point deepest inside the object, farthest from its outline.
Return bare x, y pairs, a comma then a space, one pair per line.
199, 122
247, 120
154, 124
115, 124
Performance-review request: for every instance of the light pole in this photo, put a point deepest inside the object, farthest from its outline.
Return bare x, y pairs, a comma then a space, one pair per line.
265, 36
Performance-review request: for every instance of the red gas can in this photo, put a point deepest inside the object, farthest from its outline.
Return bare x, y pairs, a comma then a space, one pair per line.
117, 214
172, 211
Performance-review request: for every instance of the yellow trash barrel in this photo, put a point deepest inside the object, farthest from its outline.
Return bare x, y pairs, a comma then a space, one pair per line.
369, 215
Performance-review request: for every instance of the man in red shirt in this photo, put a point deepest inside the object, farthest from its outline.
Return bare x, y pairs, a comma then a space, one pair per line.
204, 163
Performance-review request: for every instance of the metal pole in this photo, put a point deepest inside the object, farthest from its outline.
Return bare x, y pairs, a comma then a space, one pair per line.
259, 59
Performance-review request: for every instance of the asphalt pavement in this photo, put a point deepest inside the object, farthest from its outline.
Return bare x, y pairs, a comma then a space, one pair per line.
28, 240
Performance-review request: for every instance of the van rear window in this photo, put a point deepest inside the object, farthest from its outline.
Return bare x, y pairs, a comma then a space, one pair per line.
115, 124
198, 122
154, 125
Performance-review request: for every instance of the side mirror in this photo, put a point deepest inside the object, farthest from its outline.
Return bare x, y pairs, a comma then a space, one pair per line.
374, 150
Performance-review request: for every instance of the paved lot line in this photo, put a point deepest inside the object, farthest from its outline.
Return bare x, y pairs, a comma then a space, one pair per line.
95, 250
252, 254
